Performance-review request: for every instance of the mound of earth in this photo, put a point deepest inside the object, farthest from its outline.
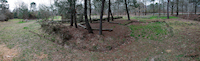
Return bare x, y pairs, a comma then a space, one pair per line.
82, 40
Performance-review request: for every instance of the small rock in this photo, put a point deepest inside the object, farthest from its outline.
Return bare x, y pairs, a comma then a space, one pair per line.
9, 56
168, 51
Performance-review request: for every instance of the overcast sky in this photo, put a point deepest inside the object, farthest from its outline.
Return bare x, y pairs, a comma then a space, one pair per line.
13, 3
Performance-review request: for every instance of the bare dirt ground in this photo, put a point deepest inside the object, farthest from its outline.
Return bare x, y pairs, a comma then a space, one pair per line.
183, 46
191, 17
7, 54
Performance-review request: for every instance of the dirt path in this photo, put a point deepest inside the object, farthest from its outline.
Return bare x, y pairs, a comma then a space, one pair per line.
10, 33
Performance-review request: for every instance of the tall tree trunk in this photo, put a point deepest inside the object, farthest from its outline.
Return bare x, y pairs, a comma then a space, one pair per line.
172, 12
71, 11
118, 9
139, 10
164, 8
186, 8
135, 13
177, 10
195, 8
168, 9
109, 11
90, 10
182, 9
153, 8
111, 14
127, 10
159, 10
74, 12
145, 9
86, 19
101, 17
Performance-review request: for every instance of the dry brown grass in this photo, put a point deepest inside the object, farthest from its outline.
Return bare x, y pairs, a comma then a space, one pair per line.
7, 54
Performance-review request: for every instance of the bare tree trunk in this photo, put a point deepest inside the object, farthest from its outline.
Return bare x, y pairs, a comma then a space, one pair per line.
159, 8
135, 13
86, 19
168, 9
195, 11
127, 10
139, 10
90, 10
74, 12
111, 14
71, 22
182, 8
186, 8
153, 8
109, 11
164, 8
177, 1
101, 17
145, 10
118, 10
172, 10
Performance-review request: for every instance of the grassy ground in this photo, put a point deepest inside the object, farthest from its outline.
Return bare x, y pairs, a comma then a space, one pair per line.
56, 18
150, 42
153, 31
149, 17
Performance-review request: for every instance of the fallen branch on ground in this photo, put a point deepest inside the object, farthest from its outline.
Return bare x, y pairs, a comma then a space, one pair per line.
95, 28
128, 22
82, 26
103, 29
114, 23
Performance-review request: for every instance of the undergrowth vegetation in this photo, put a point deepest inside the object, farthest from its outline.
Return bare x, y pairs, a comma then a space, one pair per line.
163, 17
153, 31
153, 17
21, 22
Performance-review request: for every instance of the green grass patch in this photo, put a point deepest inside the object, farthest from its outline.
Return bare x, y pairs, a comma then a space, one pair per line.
181, 55
21, 22
152, 17
153, 31
163, 17
56, 18
15, 19
10, 46
25, 28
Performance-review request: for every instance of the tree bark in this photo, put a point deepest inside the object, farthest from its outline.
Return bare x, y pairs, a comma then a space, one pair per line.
71, 22
172, 10
145, 9
86, 19
127, 10
109, 11
163, 8
101, 17
153, 8
168, 10
159, 8
111, 15
90, 10
139, 10
74, 12
135, 13
177, 10
182, 6
195, 11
